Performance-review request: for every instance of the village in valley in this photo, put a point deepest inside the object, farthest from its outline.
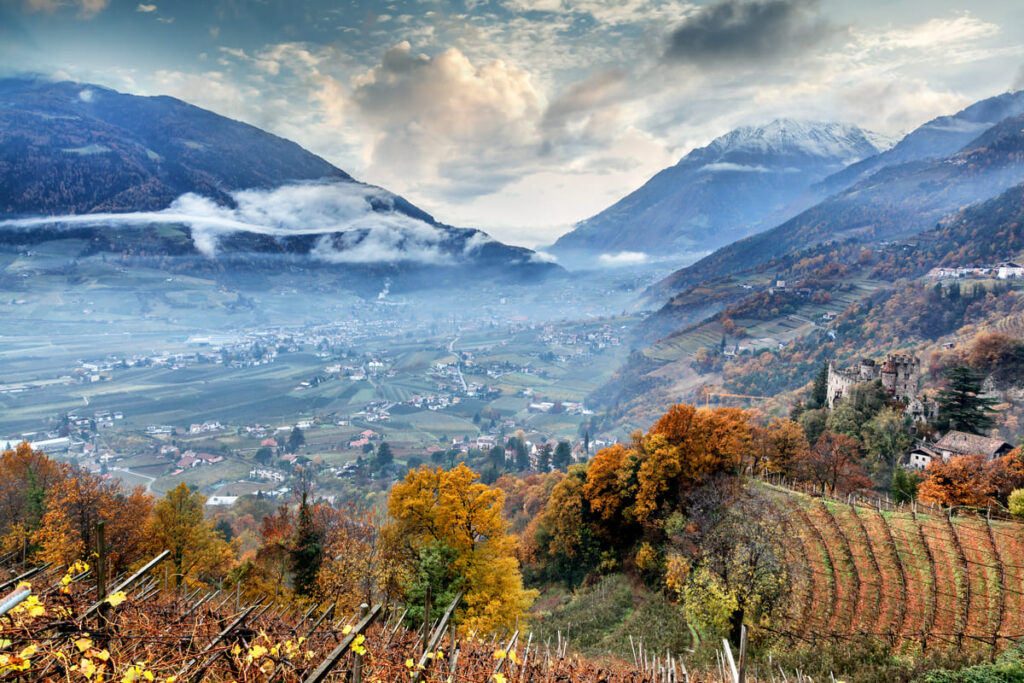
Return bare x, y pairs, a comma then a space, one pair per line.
353, 389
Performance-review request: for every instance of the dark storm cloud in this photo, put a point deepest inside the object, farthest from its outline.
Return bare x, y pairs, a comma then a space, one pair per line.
731, 31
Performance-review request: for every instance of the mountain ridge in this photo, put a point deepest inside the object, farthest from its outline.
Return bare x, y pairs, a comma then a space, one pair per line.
723, 191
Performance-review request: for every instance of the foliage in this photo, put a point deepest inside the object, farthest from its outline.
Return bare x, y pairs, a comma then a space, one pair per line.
833, 463
197, 550
972, 480
904, 486
1016, 503
961, 405
432, 505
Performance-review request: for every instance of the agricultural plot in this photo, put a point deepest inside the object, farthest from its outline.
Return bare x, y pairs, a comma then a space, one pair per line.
913, 580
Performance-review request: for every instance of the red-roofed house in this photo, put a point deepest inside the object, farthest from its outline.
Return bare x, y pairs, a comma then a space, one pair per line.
269, 443
187, 461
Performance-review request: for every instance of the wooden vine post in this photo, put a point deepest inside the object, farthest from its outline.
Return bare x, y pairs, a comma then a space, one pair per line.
101, 574
357, 663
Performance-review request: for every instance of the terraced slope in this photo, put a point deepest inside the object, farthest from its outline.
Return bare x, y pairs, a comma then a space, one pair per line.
918, 581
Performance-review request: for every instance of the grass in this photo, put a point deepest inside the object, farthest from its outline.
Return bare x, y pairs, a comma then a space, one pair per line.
600, 619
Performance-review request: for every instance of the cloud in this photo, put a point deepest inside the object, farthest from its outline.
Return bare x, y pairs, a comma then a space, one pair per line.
612, 12
87, 9
145, 8
444, 119
747, 31
85, 94
728, 166
356, 223
623, 258
1018, 81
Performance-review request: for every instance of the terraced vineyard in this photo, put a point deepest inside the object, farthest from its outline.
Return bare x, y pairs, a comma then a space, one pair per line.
916, 580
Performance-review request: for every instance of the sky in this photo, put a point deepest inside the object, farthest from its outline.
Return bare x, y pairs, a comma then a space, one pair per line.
521, 117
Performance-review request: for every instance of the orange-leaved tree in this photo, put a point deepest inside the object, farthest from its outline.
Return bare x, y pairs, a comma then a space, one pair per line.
433, 507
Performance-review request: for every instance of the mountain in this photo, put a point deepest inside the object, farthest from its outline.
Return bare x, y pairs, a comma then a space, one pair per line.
158, 178
740, 183
894, 202
939, 137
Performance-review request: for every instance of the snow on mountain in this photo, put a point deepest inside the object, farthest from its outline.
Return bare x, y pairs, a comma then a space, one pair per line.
740, 183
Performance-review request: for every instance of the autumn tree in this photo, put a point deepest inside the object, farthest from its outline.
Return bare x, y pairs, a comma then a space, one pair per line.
738, 569
452, 508
359, 564
564, 539
833, 463
25, 477
197, 551
67, 530
785, 446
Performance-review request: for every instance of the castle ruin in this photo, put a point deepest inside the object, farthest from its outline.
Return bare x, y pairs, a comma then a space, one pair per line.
899, 374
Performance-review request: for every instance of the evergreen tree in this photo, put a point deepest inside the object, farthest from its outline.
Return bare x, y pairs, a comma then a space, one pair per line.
904, 486
961, 405
384, 456
586, 443
295, 439
819, 392
307, 550
563, 455
544, 458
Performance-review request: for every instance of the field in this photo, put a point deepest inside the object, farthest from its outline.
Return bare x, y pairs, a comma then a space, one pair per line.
918, 582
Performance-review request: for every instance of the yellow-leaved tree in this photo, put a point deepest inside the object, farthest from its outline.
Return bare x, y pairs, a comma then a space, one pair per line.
197, 550
452, 509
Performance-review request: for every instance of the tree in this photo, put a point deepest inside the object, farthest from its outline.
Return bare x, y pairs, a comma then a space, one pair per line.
740, 565
860, 403
813, 422
904, 486
834, 464
785, 445
384, 456
544, 458
1016, 503
885, 436
517, 444
178, 526
295, 439
972, 481
263, 455
451, 507
819, 390
496, 457
961, 405
562, 456
306, 553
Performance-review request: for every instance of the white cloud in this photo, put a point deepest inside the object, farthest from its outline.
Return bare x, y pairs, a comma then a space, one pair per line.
145, 8
444, 119
87, 9
727, 166
357, 223
624, 258
85, 94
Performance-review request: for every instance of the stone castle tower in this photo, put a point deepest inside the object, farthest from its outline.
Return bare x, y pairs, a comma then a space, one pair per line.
899, 374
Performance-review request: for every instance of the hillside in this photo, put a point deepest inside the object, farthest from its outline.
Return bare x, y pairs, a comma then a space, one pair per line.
939, 137
859, 300
912, 581
894, 203
87, 172
79, 148
740, 183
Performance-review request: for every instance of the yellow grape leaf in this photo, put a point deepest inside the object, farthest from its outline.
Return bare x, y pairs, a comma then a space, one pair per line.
117, 598
83, 644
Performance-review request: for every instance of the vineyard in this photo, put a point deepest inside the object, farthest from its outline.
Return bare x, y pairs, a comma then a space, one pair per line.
917, 579
53, 628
